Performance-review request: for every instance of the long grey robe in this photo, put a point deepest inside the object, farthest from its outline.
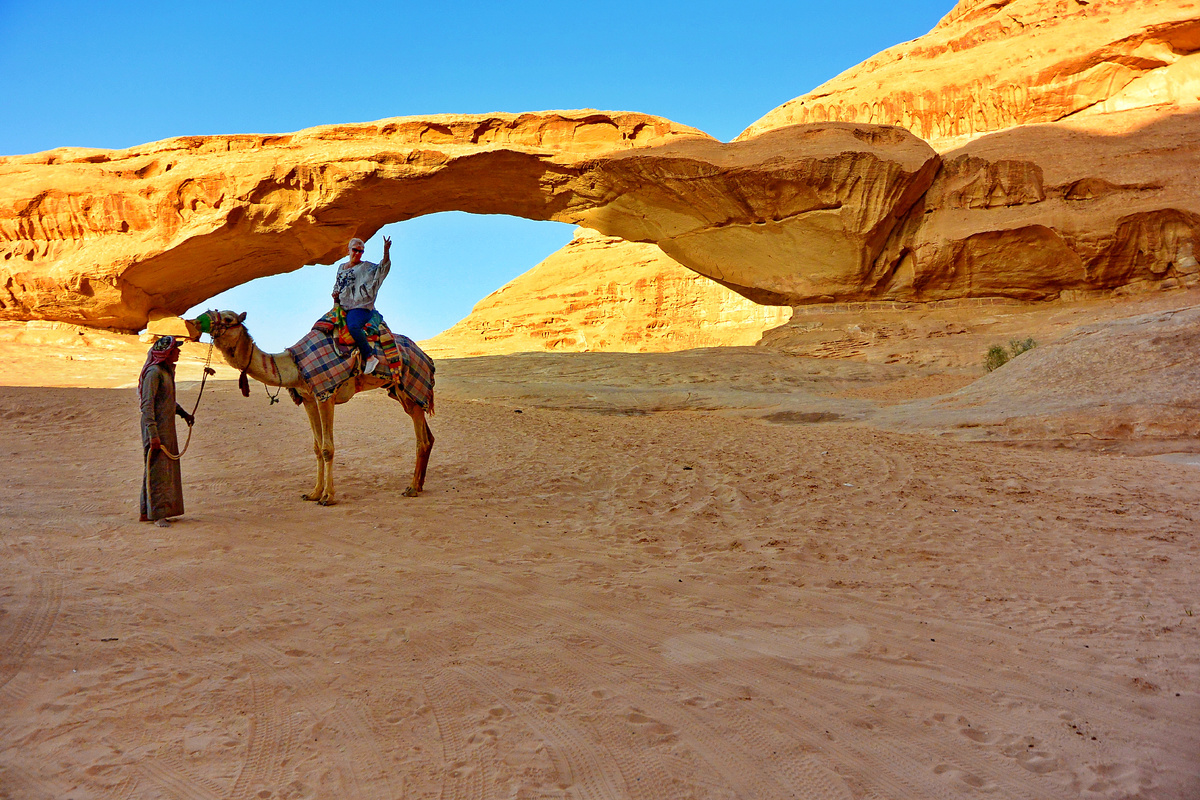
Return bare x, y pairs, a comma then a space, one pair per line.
158, 419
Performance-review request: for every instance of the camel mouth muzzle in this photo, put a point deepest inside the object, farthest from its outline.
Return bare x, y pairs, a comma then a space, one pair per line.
214, 323
201, 324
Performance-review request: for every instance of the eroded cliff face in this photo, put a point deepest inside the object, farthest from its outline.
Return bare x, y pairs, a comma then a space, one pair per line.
996, 64
1068, 133
1099, 196
602, 293
1056, 211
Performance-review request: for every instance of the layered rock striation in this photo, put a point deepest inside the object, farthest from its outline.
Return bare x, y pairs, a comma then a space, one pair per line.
1054, 211
1068, 137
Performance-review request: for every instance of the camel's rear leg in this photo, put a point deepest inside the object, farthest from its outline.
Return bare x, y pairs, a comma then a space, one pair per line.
314, 420
424, 448
325, 411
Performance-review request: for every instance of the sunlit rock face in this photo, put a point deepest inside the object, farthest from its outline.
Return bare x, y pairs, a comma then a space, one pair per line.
793, 216
995, 64
109, 238
602, 293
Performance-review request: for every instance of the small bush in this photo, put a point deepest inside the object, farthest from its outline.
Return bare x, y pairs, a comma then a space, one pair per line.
998, 355
1016, 347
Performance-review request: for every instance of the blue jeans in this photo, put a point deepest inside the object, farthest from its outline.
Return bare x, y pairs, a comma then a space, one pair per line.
356, 318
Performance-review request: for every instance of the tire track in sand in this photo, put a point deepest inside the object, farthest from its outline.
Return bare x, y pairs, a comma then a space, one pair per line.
33, 618
359, 754
578, 753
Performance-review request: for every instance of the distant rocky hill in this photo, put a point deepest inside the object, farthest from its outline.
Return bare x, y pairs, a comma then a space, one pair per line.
602, 293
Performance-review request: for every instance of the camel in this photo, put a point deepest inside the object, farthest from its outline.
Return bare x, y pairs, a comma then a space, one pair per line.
230, 336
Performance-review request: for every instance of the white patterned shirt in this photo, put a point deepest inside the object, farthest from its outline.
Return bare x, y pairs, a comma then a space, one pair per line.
358, 286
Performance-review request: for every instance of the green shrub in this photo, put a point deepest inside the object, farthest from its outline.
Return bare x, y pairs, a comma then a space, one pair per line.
1016, 347
997, 355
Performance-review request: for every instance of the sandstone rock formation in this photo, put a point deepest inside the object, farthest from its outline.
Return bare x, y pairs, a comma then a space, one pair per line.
996, 64
1102, 201
792, 216
1101, 197
111, 238
602, 293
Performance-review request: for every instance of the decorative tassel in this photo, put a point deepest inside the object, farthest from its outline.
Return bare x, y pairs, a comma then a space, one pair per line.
244, 384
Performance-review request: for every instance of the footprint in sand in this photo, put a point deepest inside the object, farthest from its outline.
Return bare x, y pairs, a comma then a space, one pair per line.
964, 777
655, 731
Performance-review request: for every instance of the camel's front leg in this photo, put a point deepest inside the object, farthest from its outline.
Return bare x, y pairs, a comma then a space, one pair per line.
314, 421
325, 410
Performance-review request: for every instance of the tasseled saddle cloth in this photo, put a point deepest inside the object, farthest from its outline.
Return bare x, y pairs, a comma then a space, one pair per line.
326, 359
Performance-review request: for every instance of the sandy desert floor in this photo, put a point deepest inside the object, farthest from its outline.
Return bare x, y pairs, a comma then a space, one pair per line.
600, 595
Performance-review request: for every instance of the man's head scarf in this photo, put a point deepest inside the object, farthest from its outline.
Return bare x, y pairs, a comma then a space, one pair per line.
160, 353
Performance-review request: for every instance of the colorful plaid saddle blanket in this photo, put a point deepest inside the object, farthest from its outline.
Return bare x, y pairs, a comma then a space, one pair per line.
326, 359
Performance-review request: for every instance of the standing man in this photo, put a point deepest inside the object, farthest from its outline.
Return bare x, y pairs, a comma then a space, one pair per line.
355, 290
162, 484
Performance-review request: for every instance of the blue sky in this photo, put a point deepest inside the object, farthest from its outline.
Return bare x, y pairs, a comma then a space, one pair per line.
119, 74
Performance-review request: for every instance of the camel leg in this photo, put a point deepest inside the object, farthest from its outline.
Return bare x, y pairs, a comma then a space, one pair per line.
326, 411
314, 421
424, 447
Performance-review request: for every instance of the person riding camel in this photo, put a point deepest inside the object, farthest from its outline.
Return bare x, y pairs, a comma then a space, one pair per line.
355, 289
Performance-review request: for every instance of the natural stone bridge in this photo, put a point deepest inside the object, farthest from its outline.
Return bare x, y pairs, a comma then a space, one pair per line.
802, 214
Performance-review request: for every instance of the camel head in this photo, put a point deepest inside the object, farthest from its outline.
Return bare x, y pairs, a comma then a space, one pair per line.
228, 335
225, 327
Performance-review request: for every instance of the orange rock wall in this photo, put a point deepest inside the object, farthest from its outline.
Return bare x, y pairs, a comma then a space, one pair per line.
1055, 211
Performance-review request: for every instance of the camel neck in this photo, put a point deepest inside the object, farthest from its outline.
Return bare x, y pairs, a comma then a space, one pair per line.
273, 369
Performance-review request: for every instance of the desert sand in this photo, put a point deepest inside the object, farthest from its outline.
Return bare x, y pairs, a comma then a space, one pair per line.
722, 573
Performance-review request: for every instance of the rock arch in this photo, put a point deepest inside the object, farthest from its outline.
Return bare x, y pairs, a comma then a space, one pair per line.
107, 238
824, 212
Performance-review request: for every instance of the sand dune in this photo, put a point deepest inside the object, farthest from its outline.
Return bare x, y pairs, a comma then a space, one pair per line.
707, 574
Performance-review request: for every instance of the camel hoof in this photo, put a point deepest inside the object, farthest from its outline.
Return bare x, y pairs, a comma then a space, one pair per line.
309, 497
411, 492
327, 501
